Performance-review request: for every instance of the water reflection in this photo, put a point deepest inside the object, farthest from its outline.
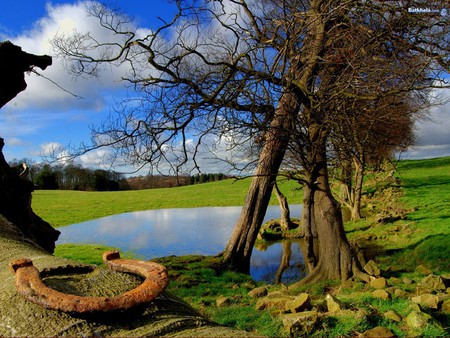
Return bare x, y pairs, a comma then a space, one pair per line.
205, 231
278, 262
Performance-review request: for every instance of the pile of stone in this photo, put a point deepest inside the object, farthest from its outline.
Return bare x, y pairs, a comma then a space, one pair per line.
301, 315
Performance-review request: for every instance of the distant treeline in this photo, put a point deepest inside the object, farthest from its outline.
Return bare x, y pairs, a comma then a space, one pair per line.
75, 177
152, 182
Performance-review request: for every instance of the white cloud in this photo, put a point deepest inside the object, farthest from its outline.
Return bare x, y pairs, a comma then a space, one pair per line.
53, 150
433, 134
41, 93
32, 116
96, 158
14, 141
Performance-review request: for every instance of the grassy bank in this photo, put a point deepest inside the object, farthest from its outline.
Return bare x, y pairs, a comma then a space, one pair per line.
407, 225
61, 207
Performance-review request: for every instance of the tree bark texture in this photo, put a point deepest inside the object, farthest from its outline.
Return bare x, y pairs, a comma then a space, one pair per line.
285, 219
238, 251
357, 189
15, 205
336, 257
15, 188
308, 225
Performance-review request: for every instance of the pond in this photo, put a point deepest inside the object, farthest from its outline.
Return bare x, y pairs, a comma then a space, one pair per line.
205, 231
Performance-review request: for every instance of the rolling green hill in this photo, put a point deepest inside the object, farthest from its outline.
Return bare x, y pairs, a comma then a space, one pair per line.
64, 207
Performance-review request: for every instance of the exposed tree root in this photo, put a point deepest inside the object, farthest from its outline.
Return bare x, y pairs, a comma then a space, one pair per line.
319, 274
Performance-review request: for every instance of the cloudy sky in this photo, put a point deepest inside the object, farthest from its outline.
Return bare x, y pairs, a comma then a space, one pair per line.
45, 116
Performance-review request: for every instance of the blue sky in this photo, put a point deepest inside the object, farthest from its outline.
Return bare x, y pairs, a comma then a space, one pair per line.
44, 116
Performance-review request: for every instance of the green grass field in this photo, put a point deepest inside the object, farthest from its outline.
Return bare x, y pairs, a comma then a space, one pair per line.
61, 207
427, 192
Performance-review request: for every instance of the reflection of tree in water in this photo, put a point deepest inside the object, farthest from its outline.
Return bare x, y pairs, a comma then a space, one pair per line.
286, 258
291, 267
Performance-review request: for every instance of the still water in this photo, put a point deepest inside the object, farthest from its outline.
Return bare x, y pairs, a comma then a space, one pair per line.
204, 231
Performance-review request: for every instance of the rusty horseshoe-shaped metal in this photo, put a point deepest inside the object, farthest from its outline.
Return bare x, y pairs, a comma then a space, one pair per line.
30, 285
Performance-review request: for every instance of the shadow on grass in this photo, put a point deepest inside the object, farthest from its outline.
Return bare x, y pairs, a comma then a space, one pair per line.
430, 181
428, 163
432, 251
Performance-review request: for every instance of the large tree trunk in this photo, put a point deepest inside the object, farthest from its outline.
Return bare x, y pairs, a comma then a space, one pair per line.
15, 205
308, 225
337, 260
238, 251
301, 72
15, 188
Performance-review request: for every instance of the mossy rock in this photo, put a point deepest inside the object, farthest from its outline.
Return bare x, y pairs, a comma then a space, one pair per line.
272, 230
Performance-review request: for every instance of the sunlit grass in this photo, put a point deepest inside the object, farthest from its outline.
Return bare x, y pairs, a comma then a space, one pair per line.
421, 238
86, 253
63, 207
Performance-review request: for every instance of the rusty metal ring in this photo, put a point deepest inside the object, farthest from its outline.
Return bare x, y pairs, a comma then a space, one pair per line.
30, 285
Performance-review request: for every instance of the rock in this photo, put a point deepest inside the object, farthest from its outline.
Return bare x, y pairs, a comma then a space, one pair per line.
262, 291
417, 319
333, 304
434, 282
378, 283
427, 300
392, 289
394, 281
392, 315
272, 303
415, 307
300, 324
423, 270
250, 285
378, 331
301, 303
277, 313
445, 307
223, 301
408, 280
276, 294
381, 294
401, 293
372, 268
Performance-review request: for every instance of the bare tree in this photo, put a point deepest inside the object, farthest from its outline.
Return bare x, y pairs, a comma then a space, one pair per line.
370, 132
260, 72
